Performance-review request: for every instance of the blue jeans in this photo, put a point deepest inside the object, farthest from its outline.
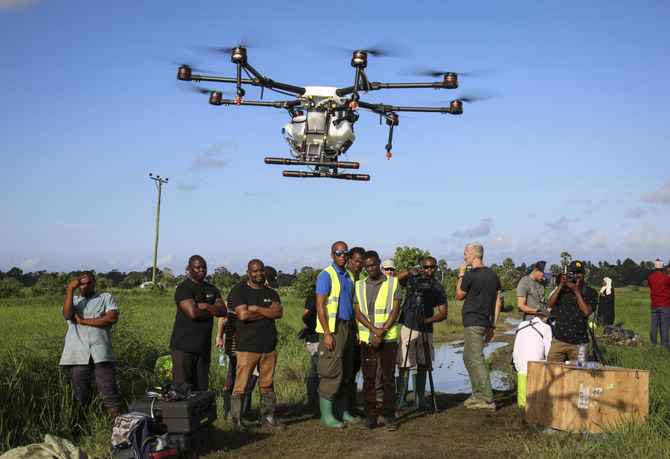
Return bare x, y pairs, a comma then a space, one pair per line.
660, 316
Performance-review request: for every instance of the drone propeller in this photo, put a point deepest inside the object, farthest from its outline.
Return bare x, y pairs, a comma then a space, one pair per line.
201, 90
383, 48
438, 73
477, 96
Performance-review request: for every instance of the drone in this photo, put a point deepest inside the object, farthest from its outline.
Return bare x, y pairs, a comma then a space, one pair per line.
322, 118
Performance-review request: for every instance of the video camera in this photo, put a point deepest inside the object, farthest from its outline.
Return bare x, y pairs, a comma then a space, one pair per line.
418, 283
572, 275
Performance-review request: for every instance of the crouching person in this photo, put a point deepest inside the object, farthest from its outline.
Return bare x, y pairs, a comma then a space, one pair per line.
531, 343
257, 306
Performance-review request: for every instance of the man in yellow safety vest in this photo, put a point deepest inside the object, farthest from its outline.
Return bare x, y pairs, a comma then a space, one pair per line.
377, 305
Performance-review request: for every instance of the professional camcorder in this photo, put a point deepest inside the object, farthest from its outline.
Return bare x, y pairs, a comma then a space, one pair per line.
418, 283
572, 275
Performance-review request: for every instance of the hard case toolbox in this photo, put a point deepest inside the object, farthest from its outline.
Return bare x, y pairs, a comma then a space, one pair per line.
193, 443
187, 415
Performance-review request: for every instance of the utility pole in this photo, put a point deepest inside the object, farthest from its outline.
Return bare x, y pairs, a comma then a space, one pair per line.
159, 183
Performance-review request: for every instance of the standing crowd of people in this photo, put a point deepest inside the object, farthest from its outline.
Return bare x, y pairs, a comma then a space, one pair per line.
356, 318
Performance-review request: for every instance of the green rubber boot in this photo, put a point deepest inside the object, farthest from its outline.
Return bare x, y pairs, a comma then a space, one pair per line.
419, 383
246, 411
341, 411
226, 407
403, 385
521, 389
327, 417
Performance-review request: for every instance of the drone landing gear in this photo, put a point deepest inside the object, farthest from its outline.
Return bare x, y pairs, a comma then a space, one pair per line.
334, 165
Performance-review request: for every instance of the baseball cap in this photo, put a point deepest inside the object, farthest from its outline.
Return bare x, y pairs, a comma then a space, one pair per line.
388, 263
543, 312
658, 264
576, 267
540, 266
271, 276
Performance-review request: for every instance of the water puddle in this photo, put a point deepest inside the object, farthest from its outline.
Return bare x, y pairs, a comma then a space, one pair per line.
513, 320
449, 373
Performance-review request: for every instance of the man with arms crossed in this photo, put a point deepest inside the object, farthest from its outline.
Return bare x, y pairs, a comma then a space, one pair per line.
257, 307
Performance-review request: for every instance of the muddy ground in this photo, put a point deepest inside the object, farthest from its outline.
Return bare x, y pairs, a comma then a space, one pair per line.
453, 431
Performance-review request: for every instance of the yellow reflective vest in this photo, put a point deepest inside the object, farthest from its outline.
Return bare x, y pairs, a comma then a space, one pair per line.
383, 308
332, 302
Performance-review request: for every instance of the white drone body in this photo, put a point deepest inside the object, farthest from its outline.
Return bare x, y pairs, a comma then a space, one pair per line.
321, 132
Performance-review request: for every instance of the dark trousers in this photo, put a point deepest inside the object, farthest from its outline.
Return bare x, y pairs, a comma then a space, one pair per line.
105, 380
386, 353
191, 368
660, 317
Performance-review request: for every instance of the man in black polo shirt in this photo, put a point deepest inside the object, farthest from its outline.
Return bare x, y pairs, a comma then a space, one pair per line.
191, 341
571, 303
257, 306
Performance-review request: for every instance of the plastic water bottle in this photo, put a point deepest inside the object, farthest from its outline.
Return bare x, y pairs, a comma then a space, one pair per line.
581, 354
222, 358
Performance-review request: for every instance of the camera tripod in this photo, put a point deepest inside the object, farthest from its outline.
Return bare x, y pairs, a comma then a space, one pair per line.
420, 321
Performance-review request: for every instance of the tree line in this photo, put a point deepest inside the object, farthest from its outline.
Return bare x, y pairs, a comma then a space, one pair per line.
16, 283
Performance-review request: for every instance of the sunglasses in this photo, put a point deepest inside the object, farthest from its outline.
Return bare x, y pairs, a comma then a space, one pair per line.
339, 253
429, 266
388, 269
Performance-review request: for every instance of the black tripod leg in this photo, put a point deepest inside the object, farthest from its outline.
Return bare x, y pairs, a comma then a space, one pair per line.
596, 349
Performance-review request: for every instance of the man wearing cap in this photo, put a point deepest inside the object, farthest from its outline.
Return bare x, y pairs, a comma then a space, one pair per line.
659, 292
571, 303
257, 307
531, 343
530, 291
337, 332
388, 267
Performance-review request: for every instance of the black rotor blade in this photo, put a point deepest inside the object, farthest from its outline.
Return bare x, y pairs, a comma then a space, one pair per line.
476, 97
200, 89
383, 48
248, 39
424, 71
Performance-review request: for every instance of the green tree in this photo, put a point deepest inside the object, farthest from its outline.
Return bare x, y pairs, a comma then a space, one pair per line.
442, 267
306, 281
406, 257
566, 258
9, 286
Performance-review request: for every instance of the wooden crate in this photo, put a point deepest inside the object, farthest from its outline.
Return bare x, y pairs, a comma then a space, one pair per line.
566, 397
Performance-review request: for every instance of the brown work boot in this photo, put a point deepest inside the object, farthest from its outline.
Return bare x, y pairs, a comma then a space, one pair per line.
114, 411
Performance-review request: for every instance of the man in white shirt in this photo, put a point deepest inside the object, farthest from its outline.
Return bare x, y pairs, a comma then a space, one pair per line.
532, 343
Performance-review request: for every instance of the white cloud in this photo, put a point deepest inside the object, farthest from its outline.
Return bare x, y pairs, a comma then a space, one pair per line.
561, 225
634, 212
169, 258
497, 241
29, 264
187, 186
645, 238
17, 4
595, 241
483, 229
661, 196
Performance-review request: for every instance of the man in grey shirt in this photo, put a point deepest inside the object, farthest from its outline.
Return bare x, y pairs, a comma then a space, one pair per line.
530, 291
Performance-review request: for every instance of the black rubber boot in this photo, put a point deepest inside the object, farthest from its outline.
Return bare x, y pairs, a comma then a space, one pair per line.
268, 406
313, 393
226, 406
236, 413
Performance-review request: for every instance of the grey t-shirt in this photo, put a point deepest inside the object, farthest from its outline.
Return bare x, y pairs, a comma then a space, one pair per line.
533, 292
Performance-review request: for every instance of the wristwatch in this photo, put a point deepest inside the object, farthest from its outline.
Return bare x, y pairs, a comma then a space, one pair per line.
460, 277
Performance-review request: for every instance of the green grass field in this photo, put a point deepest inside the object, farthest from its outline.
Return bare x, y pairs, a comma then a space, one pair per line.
36, 397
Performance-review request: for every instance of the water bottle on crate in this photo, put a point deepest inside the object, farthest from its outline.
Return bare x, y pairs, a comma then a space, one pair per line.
581, 354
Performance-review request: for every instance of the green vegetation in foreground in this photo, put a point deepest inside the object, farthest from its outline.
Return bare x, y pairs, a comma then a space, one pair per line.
36, 398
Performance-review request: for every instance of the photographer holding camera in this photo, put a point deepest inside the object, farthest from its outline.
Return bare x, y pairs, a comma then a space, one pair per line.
417, 326
572, 303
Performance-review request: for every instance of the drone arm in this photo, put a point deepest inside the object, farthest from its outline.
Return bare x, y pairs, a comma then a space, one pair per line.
270, 84
382, 109
375, 85
286, 104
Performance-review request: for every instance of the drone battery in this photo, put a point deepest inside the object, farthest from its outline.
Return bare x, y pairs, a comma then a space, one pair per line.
193, 443
198, 409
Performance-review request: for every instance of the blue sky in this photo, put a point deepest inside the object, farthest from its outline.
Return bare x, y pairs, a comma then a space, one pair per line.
571, 156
